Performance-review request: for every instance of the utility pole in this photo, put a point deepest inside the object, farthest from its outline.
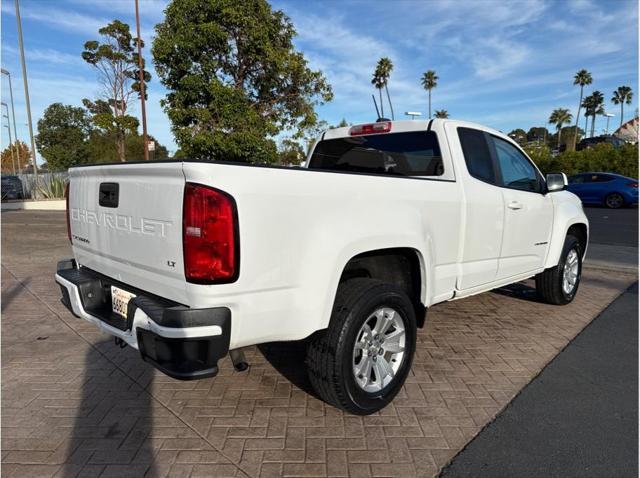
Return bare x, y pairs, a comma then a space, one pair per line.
8, 125
26, 92
142, 86
13, 117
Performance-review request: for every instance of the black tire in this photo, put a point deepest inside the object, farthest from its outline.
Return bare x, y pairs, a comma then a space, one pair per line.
330, 354
614, 201
549, 282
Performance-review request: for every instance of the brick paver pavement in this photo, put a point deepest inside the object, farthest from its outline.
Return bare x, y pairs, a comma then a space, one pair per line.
73, 404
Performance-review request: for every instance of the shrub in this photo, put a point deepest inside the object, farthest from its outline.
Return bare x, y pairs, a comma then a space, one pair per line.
602, 157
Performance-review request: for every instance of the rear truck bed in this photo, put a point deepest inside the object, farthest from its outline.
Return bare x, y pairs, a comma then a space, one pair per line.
125, 223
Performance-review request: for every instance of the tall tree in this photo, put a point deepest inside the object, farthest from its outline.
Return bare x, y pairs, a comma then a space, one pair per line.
378, 82
234, 77
560, 117
597, 108
18, 152
116, 60
518, 135
622, 95
385, 67
581, 78
441, 114
429, 82
63, 134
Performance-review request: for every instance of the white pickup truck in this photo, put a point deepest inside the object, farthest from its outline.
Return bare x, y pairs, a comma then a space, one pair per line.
187, 261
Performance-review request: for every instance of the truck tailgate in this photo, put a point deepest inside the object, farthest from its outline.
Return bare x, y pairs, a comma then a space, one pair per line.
126, 223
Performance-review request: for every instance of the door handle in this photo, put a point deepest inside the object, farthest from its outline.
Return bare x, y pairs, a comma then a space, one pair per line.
515, 205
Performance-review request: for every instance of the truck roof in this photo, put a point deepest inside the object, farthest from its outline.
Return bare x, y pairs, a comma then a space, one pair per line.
402, 126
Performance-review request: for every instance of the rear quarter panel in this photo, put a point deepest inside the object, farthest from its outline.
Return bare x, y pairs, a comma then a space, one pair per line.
299, 228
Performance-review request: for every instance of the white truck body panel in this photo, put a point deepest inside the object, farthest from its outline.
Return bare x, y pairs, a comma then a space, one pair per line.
298, 228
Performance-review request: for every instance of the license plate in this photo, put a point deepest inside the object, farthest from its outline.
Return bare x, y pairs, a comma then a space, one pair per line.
120, 301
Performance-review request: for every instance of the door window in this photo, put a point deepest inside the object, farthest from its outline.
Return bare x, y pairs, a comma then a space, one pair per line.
516, 170
476, 154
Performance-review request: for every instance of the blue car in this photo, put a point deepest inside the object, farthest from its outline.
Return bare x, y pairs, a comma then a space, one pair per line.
604, 189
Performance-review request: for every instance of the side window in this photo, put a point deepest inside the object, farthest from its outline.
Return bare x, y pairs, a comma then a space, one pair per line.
476, 154
516, 170
578, 179
602, 178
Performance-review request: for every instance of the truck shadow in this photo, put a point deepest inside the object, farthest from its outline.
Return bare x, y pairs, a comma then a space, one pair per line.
520, 290
288, 358
12, 292
111, 431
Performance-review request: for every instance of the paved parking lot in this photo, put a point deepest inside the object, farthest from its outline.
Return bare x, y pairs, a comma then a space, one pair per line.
74, 404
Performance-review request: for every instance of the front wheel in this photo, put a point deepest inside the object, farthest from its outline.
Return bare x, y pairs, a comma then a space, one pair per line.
614, 201
361, 361
559, 285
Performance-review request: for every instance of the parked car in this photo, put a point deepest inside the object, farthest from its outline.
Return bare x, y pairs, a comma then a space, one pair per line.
606, 189
187, 261
11, 187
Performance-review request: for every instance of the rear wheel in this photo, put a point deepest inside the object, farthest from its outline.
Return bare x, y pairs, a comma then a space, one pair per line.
614, 201
559, 285
361, 361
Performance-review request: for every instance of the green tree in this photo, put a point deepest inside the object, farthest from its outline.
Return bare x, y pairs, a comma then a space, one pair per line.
383, 70
290, 152
518, 135
63, 135
559, 117
429, 82
343, 123
539, 134
581, 78
441, 114
622, 95
593, 106
17, 154
116, 60
234, 77
378, 82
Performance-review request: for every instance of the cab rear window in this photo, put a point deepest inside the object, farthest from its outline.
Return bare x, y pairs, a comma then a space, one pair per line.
398, 154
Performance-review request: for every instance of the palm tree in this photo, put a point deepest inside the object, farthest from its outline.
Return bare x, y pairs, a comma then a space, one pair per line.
582, 78
589, 108
378, 82
597, 109
559, 117
429, 82
621, 96
441, 114
386, 67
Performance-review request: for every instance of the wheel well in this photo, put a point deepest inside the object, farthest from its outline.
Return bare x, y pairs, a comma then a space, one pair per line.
400, 266
580, 232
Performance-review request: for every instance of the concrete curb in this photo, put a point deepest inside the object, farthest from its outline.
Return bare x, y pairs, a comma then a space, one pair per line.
40, 205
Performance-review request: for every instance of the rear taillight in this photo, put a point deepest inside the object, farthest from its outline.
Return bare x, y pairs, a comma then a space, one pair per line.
209, 235
66, 196
633, 185
373, 128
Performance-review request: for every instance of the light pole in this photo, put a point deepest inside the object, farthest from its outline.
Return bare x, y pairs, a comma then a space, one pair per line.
13, 116
142, 86
8, 126
608, 115
413, 114
26, 93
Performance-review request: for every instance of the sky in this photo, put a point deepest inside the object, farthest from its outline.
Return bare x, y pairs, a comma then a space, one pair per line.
505, 64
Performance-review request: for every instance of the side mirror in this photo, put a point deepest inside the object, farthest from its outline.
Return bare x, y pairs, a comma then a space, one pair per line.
556, 182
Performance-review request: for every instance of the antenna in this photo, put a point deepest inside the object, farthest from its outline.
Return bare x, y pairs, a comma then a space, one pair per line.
373, 97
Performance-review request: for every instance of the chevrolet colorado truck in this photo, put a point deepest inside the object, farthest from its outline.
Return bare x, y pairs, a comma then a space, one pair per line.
187, 261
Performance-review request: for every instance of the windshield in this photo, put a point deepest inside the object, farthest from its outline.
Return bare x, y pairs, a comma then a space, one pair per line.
400, 154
